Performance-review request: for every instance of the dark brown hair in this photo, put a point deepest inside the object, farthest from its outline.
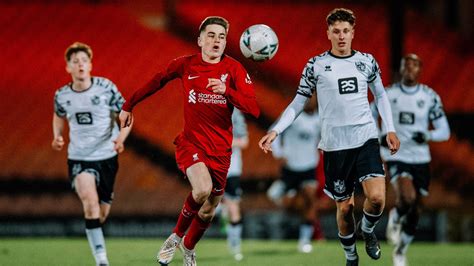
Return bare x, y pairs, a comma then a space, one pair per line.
214, 20
77, 47
341, 14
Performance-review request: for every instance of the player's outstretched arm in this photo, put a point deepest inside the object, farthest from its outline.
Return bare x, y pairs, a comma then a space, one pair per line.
265, 142
288, 116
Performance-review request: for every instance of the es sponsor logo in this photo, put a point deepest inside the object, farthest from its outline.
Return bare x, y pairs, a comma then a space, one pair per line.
348, 85
84, 118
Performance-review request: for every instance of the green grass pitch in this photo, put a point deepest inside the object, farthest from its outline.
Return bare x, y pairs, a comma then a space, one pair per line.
213, 252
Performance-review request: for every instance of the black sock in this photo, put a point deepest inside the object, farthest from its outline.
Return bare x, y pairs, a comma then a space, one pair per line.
348, 244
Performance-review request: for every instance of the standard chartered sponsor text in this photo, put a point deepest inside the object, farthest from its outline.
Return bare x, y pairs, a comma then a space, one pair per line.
211, 98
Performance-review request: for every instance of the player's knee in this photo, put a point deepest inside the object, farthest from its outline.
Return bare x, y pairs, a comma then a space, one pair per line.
346, 209
91, 207
89, 198
201, 195
377, 200
207, 214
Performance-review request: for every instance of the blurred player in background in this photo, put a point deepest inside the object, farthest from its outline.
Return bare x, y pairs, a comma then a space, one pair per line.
341, 78
233, 191
90, 106
415, 107
297, 148
214, 84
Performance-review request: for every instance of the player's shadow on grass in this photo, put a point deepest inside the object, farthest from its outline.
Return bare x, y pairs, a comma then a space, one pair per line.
248, 253
269, 252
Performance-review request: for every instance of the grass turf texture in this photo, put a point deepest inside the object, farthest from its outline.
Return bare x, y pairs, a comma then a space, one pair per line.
138, 251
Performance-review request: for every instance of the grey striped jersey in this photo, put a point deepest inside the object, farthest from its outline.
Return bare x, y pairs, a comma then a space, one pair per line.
298, 143
341, 84
413, 108
91, 118
239, 130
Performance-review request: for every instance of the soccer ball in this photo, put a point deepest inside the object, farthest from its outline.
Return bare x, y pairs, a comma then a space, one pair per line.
259, 42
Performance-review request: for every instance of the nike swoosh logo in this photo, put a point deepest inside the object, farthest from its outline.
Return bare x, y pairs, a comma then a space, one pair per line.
378, 252
193, 77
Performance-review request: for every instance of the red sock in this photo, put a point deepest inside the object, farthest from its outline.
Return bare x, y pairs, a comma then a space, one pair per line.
318, 231
196, 231
190, 208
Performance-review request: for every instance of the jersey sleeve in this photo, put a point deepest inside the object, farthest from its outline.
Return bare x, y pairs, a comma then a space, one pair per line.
436, 110
382, 103
117, 100
308, 80
172, 71
374, 71
58, 108
243, 96
292, 111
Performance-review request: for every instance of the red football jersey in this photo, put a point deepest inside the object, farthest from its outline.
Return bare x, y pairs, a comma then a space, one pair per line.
207, 115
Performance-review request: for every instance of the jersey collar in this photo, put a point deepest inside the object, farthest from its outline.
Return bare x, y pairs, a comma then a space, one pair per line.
410, 90
353, 52
76, 91
223, 56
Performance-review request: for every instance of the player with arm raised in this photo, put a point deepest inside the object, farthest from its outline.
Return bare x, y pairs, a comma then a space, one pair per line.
213, 84
341, 78
89, 105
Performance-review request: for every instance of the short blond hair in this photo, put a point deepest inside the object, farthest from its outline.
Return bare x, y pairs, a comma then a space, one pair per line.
77, 47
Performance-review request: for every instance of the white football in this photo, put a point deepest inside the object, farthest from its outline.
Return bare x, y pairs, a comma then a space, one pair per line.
259, 42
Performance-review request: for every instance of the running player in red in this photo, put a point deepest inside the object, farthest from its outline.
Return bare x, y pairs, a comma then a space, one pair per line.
214, 84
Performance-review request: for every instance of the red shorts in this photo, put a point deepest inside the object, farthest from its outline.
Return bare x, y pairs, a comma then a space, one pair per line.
187, 154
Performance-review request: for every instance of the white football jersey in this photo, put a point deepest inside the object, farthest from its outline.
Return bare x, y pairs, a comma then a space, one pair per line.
298, 143
239, 130
341, 84
91, 119
413, 108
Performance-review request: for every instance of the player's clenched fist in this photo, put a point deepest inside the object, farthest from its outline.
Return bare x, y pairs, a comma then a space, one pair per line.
216, 85
58, 143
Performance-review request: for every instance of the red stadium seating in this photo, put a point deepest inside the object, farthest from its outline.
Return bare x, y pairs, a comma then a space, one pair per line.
33, 44
125, 52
